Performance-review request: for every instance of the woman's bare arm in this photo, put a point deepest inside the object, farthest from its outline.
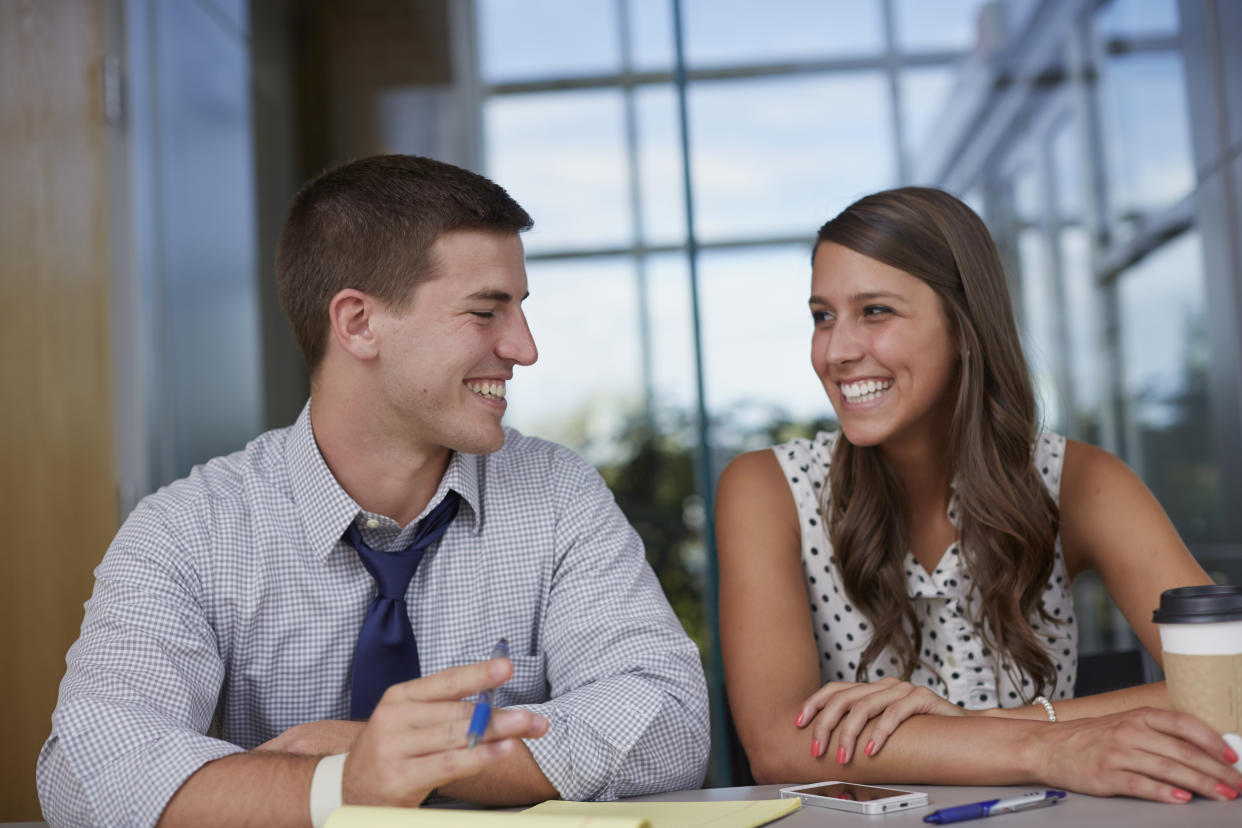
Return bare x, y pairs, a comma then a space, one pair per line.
771, 668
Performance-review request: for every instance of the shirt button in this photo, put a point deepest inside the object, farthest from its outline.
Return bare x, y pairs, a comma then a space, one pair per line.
372, 523
952, 661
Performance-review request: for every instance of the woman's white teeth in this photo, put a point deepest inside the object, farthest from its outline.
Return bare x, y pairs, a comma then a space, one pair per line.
491, 390
865, 390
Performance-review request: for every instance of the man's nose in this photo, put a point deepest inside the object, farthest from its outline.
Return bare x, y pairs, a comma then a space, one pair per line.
518, 344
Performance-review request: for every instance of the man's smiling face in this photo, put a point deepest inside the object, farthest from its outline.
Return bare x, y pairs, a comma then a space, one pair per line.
446, 356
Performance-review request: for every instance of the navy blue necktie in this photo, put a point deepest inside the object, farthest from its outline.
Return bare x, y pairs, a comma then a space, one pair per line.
386, 653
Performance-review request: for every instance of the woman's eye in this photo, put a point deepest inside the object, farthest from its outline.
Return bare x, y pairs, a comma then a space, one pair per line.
876, 310
482, 314
821, 317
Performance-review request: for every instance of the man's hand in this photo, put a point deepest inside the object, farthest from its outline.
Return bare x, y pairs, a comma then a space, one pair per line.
322, 738
416, 738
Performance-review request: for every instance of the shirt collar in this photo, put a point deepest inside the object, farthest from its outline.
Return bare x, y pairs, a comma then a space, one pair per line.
326, 508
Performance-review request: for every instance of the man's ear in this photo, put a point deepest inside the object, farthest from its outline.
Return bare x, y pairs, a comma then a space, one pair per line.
350, 316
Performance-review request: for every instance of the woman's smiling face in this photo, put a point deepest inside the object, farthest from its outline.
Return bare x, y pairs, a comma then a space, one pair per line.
882, 349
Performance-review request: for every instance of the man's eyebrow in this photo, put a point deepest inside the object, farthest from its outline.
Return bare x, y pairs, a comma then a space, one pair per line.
495, 295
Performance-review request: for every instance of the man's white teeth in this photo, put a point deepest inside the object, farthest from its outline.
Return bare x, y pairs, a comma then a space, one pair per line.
491, 390
865, 390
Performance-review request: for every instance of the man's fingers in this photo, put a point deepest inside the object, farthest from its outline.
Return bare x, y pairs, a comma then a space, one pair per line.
449, 766
406, 781
454, 683
450, 735
520, 723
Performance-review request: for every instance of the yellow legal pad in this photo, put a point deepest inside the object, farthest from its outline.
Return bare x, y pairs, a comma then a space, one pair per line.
557, 814
731, 814
365, 816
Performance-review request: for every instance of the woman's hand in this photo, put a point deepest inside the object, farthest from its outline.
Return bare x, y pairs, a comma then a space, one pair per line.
1146, 753
844, 707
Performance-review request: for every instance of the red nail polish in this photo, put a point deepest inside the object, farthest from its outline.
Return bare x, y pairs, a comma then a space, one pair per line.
841, 754
1226, 791
1231, 758
870, 748
1179, 794
798, 721
815, 747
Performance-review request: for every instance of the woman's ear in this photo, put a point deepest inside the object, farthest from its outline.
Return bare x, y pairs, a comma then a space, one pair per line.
350, 315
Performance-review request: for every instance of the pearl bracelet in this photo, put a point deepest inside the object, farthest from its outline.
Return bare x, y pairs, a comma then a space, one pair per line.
1052, 714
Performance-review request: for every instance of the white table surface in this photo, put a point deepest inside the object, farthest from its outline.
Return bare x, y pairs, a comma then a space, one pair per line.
1075, 811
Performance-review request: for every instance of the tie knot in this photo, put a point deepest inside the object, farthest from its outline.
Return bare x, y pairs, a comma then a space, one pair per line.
393, 571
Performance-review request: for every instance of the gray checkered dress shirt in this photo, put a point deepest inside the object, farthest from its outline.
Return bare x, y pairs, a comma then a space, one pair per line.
229, 605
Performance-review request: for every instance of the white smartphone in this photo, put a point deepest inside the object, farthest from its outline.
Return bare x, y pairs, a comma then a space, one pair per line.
858, 799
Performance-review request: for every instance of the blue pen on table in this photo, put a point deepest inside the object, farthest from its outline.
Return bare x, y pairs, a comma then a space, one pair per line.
483, 707
992, 807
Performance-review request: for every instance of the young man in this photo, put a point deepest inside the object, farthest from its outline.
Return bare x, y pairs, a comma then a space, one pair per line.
243, 625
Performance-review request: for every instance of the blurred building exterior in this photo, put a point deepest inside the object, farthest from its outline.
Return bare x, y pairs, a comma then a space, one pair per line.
677, 160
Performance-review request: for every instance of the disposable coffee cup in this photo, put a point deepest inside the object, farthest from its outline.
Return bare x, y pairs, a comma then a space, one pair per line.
1201, 635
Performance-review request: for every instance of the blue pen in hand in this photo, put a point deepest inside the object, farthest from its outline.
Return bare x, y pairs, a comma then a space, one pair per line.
976, 810
483, 708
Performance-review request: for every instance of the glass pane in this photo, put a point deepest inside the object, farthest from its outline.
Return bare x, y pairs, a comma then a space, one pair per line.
1165, 352
562, 156
1139, 18
1068, 174
587, 380
1083, 329
1039, 324
924, 92
945, 24
651, 34
781, 156
757, 342
659, 164
525, 39
672, 335
743, 31
1147, 137
586, 391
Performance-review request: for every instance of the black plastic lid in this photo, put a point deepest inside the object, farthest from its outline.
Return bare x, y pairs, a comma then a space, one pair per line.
1199, 605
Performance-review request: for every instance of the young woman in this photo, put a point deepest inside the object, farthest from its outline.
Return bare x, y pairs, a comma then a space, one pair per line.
935, 537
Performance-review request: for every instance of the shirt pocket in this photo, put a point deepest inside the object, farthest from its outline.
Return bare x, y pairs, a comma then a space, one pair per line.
528, 684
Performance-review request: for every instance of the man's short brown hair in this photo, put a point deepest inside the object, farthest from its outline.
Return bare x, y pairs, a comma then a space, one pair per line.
369, 225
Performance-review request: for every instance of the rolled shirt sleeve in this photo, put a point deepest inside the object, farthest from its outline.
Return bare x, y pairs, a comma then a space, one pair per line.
139, 692
628, 709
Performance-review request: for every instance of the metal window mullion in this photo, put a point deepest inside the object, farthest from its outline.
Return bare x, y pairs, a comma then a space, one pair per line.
892, 72
638, 252
719, 767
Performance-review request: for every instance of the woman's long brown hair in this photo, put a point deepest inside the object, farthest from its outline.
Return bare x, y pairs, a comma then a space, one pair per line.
1007, 521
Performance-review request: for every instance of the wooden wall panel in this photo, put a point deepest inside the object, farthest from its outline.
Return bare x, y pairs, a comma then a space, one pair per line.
57, 499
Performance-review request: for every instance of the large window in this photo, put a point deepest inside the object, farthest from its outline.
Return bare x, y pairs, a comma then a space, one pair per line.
1091, 194
794, 108
1078, 151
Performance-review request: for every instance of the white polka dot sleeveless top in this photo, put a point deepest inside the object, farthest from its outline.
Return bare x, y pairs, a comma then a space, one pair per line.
955, 663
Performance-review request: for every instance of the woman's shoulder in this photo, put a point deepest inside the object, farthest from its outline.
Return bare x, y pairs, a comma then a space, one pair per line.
749, 470
1090, 470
